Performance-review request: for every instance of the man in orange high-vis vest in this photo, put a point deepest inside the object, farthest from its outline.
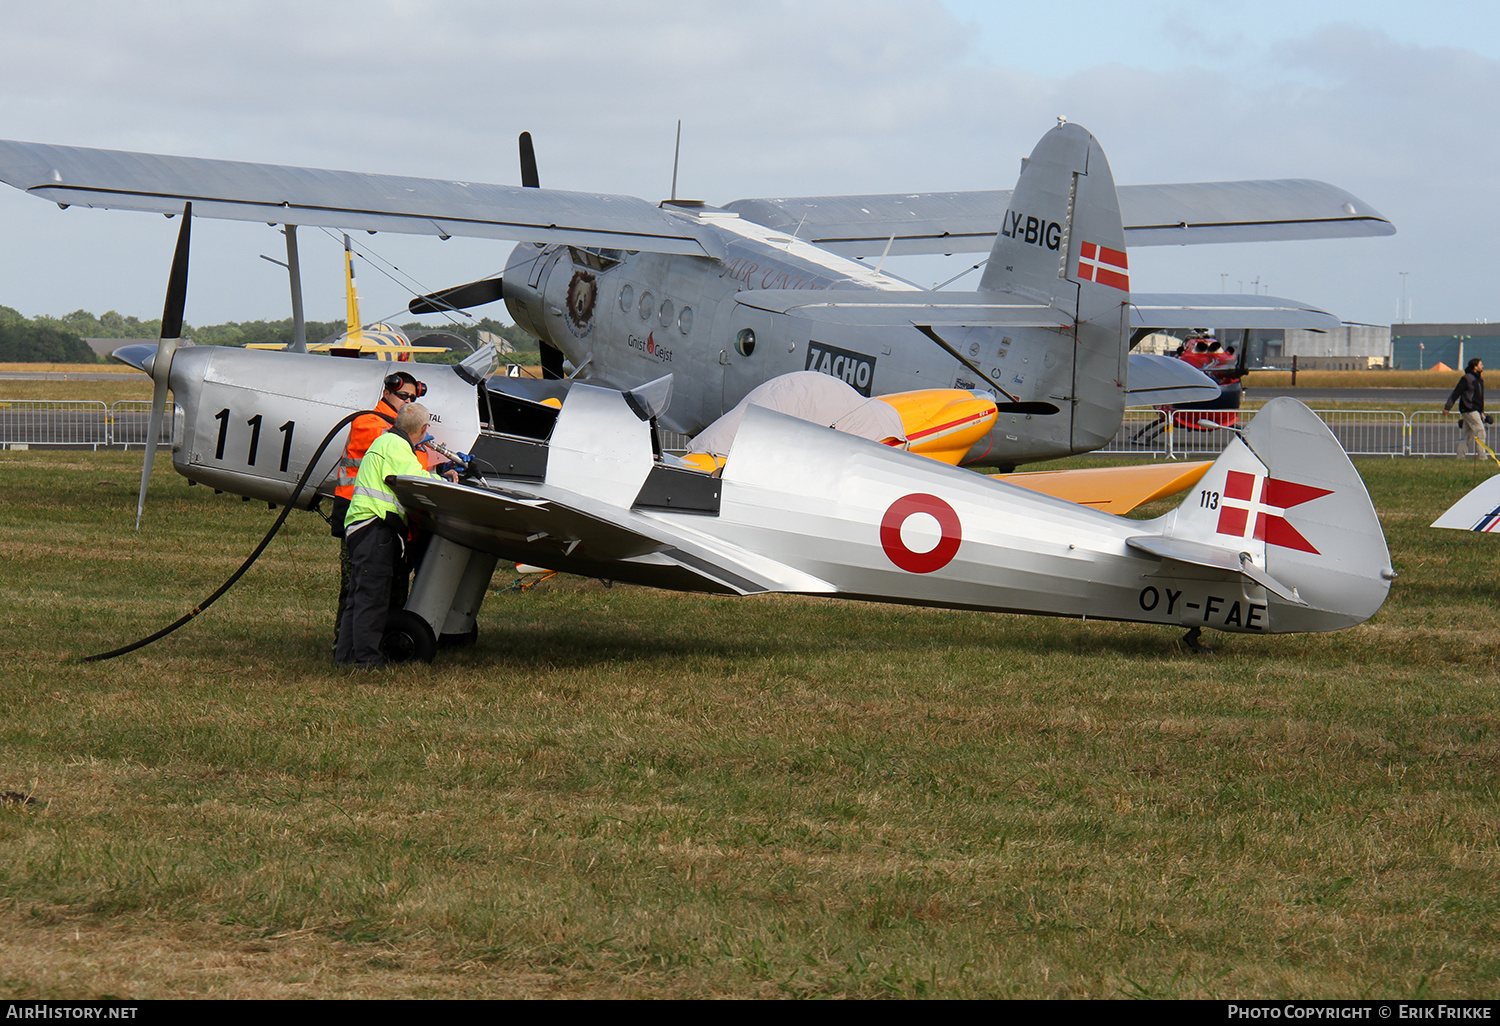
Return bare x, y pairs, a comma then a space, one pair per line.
401, 388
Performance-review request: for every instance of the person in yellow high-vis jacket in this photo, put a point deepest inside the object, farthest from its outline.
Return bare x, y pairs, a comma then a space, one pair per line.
400, 388
375, 531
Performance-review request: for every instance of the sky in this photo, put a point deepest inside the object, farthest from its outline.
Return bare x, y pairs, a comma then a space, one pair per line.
1389, 101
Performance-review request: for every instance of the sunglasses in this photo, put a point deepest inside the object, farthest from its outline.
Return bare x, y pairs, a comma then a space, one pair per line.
405, 397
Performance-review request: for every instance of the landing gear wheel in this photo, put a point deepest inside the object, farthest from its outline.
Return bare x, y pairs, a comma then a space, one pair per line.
464, 640
1190, 639
407, 637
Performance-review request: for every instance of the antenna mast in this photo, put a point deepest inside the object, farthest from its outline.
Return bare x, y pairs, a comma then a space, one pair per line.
676, 153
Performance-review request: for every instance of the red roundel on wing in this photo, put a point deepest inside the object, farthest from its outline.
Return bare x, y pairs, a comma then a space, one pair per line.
941, 554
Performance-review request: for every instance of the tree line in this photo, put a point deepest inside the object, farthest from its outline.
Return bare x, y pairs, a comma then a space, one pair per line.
46, 339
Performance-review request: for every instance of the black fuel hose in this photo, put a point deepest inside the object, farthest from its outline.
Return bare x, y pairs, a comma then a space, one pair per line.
247, 564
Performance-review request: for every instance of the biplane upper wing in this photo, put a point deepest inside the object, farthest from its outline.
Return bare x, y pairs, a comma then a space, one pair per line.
239, 191
946, 222
1154, 215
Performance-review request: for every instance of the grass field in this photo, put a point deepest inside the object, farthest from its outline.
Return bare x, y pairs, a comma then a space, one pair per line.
1354, 379
627, 793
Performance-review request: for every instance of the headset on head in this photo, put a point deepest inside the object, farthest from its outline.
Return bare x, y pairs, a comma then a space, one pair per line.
393, 383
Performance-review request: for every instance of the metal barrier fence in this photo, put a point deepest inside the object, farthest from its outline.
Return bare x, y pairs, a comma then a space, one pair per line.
1432, 433
1154, 433
78, 423
1143, 432
1368, 432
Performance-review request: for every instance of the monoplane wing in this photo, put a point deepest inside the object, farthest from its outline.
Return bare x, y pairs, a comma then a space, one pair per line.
565, 530
238, 191
1154, 215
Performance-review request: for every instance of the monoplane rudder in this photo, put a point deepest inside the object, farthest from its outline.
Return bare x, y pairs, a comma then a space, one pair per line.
1284, 509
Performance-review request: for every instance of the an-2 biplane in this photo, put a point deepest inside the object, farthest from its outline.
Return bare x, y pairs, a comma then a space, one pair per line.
725, 298
797, 507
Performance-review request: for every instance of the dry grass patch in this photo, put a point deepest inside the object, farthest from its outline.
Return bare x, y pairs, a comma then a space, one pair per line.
621, 792
1353, 379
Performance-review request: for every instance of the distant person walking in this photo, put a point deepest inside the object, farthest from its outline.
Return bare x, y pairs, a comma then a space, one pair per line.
1469, 394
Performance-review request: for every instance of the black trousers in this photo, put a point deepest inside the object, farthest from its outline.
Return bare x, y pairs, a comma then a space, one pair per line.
374, 556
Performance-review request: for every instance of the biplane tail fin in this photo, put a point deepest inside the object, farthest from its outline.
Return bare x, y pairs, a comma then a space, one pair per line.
1063, 236
1284, 507
1062, 242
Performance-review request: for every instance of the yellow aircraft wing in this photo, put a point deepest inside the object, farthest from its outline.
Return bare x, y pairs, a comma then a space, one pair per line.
382, 350
1115, 490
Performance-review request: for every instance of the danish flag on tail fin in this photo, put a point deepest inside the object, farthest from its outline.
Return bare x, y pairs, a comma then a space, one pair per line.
1284, 508
1253, 507
1104, 265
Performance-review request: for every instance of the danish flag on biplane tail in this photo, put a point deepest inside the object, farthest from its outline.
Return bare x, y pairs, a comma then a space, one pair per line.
1106, 266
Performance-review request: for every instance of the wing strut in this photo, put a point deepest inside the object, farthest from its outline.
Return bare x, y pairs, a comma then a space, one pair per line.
1015, 405
294, 273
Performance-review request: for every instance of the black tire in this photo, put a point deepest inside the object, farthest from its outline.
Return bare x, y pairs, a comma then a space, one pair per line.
407, 637
464, 640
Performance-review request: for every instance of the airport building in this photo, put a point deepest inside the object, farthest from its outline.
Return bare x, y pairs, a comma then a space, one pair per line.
1420, 346
1369, 346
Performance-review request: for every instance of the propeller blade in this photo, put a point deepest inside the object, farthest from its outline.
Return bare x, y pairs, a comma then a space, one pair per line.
161, 365
171, 314
153, 432
458, 297
529, 177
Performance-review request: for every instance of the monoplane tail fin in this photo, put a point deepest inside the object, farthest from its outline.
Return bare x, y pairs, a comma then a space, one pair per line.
1284, 508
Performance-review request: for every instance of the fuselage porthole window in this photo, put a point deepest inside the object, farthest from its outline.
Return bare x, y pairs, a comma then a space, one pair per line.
627, 298
685, 320
667, 311
744, 342
647, 306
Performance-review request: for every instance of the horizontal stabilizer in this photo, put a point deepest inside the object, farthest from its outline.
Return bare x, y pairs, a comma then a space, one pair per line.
1185, 310
1477, 511
1215, 558
1162, 381
1154, 215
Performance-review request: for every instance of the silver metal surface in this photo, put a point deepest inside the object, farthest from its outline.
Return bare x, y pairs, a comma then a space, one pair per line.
725, 299
808, 509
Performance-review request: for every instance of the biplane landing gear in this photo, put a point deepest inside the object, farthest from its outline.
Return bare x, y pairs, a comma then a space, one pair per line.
407, 637
1190, 639
450, 585
471, 637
